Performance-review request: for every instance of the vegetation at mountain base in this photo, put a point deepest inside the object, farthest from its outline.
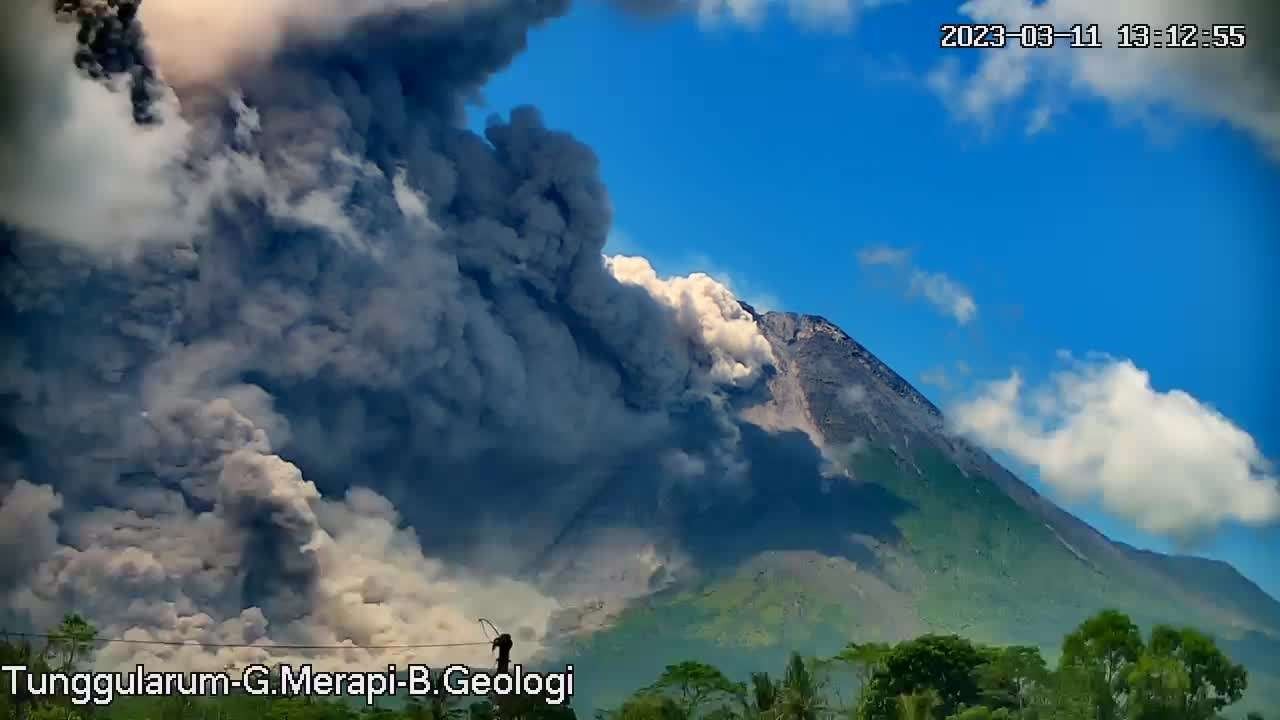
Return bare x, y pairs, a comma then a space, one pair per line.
1107, 671
961, 556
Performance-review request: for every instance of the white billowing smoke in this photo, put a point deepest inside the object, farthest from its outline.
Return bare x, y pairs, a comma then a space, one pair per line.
1100, 430
160, 571
26, 521
73, 164
710, 315
198, 41
76, 168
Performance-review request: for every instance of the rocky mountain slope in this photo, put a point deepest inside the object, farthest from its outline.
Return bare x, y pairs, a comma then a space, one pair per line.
864, 519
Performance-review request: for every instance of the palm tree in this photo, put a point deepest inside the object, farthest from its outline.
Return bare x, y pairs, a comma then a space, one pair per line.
71, 640
865, 659
800, 697
764, 694
443, 706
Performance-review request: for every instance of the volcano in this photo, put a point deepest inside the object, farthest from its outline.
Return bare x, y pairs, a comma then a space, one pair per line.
295, 360
865, 519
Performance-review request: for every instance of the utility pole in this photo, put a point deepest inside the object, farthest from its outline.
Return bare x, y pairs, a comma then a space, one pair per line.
503, 644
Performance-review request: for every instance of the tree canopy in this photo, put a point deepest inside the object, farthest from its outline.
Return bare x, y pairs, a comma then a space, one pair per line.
945, 664
1107, 671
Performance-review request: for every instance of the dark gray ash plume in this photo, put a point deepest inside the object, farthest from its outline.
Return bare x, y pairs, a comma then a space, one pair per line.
110, 42
308, 361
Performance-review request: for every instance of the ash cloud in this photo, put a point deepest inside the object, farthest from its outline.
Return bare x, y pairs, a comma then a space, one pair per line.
75, 163
317, 364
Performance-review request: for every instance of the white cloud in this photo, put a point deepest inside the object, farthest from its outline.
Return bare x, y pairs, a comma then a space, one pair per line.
944, 294
883, 255
837, 15
936, 377
1235, 85
1163, 460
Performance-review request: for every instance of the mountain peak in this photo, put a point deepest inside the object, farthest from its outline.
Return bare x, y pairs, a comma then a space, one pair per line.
853, 400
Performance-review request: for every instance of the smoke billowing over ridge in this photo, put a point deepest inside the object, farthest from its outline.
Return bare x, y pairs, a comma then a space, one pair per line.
295, 358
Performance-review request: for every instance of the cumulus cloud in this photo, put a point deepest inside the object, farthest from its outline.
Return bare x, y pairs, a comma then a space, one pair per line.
828, 15
883, 255
1098, 429
936, 377
1238, 86
945, 294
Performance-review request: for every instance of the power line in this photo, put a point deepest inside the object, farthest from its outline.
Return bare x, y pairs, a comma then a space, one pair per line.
195, 643
483, 629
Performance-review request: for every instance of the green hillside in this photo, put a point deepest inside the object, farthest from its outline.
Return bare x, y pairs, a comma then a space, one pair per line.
966, 558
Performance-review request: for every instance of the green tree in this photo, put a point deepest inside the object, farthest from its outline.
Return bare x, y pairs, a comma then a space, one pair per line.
723, 712
945, 664
526, 707
176, 707
917, 705
20, 704
693, 685
50, 711
1010, 676
980, 712
1066, 694
1104, 648
801, 695
1183, 674
480, 710
415, 709
70, 641
442, 706
649, 706
1157, 685
760, 702
864, 659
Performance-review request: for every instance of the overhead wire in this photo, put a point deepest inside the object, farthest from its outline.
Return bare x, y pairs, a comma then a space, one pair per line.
485, 626
196, 643
485, 621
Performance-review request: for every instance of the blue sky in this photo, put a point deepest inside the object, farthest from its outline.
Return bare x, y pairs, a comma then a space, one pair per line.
1146, 229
